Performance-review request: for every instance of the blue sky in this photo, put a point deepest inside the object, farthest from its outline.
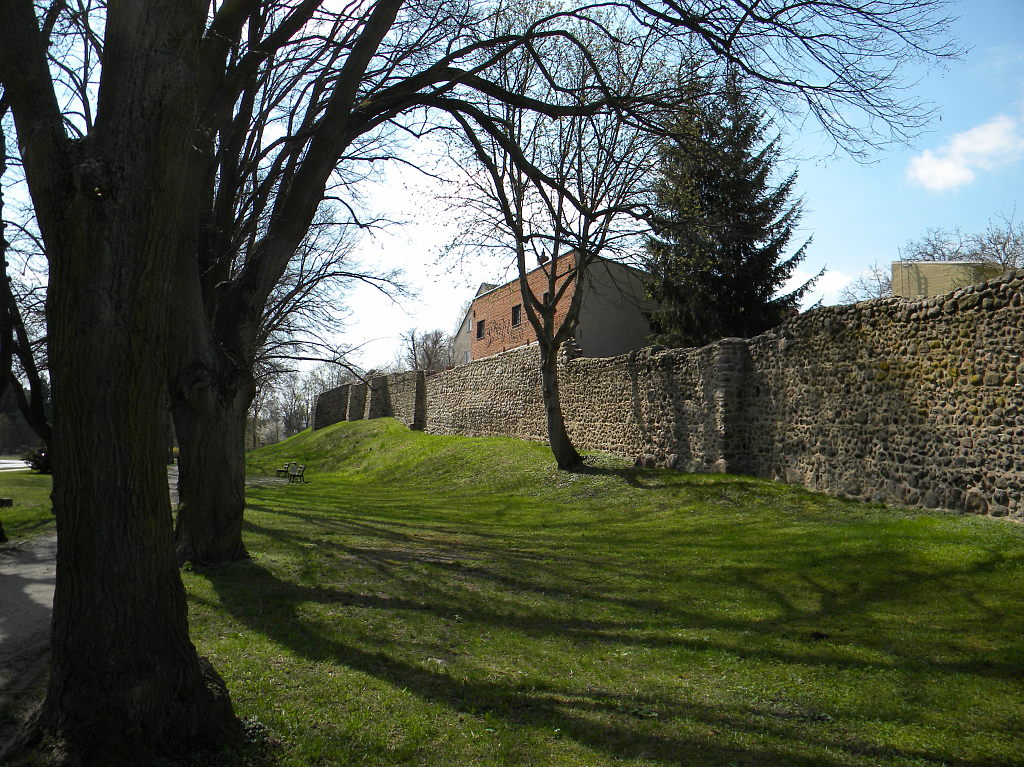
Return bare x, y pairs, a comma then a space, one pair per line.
968, 168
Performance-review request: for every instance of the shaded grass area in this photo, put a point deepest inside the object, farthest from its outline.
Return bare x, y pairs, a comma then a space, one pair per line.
30, 516
443, 600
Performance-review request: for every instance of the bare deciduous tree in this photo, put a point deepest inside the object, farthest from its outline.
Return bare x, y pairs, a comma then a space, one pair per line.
1000, 244
873, 282
430, 352
22, 323
215, 381
567, 192
110, 207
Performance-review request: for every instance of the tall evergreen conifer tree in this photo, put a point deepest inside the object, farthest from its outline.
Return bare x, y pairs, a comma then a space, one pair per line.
717, 257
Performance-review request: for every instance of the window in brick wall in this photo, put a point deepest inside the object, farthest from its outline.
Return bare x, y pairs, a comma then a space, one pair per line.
517, 315
479, 328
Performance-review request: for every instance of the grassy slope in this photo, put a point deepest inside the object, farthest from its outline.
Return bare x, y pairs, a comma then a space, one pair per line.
453, 601
30, 515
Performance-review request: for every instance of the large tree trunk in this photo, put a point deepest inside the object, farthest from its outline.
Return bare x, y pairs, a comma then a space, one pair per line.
561, 446
211, 386
126, 684
210, 423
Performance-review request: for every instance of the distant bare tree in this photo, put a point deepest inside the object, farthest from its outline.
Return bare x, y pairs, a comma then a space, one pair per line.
279, 410
996, 249
430, 352
294, 405
873, 282
1001, 244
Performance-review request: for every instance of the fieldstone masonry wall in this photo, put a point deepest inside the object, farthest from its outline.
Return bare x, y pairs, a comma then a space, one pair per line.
357, 402
910, 402
331, 406
498, 395
408, 403
676, 408
378, 403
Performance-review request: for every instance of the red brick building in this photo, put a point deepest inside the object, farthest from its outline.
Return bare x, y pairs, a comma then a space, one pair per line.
611, 320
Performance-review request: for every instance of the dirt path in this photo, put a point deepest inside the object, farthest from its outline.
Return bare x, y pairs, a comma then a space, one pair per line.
27, 572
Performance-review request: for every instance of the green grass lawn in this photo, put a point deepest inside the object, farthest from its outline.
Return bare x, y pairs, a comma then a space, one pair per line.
453, 601
30, 516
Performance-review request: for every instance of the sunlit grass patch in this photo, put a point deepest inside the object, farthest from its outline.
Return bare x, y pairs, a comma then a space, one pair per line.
30, 515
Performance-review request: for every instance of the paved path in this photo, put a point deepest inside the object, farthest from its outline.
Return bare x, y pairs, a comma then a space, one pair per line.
27, 577
27, 573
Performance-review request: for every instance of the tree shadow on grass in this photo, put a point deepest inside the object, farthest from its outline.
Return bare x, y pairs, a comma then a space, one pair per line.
599, 719
634, 476
448, 572
655, 478
573, 712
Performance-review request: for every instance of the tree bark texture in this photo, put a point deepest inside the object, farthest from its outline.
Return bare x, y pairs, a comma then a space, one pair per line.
126, 683
211, 388
562, 448
209, 418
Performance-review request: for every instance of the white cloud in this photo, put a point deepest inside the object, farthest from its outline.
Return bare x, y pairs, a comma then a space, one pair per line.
1000, 141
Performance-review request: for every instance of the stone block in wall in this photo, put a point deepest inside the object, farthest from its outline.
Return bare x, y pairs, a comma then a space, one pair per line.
357, 402
379, 398
331, 407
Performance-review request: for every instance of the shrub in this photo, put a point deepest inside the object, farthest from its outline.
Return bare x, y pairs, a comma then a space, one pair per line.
38, 461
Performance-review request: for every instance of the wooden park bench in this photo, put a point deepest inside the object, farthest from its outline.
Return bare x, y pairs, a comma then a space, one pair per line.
297, 472
285, 471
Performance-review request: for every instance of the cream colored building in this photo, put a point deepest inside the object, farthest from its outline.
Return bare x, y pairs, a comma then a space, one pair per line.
912, 279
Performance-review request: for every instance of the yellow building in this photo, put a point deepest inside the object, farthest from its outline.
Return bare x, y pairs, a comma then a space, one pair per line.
913, 279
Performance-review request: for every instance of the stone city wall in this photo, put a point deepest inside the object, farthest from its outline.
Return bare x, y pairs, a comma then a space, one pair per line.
498, 395
408, 398
331, 406
357, 402
916, 402
401, 396
378, 401
911, 402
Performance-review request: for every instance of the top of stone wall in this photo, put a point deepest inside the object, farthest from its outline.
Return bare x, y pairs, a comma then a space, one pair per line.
989, 295
997, 292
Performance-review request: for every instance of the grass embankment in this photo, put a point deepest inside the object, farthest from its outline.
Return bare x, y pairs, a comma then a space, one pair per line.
452, 601
30, 516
